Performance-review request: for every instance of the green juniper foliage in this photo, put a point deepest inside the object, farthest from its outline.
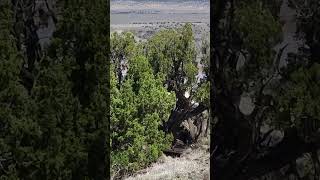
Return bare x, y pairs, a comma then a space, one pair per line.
158, 72
172, 56
138, 109
57, 127
249, 61
136, 116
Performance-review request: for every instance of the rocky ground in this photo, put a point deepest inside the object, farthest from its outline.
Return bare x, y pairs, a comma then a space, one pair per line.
144, 31
193, 164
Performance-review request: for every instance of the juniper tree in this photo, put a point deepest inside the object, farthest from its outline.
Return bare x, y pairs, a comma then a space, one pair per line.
138, 110
282, 97
56, 126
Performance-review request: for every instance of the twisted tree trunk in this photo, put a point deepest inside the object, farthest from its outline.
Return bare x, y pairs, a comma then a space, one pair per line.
235, 139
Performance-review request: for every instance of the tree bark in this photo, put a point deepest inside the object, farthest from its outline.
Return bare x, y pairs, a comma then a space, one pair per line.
235, 153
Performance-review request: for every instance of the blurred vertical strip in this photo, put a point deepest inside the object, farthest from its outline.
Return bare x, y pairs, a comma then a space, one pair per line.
108, 151
212, 25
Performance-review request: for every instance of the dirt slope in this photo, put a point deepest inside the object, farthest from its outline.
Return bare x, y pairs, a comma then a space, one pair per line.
193, 164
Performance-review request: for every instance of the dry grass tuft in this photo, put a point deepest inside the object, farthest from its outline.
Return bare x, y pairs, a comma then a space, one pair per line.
193, 164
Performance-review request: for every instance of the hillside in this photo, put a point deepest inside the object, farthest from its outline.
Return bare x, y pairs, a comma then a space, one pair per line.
193, 164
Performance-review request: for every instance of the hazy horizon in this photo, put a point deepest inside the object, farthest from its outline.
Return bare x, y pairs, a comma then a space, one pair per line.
146, 11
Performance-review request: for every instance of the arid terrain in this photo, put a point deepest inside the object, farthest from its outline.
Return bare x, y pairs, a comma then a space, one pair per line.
193, 164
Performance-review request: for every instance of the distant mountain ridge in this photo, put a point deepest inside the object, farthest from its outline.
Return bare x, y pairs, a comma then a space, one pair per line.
162, 0
156, 6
